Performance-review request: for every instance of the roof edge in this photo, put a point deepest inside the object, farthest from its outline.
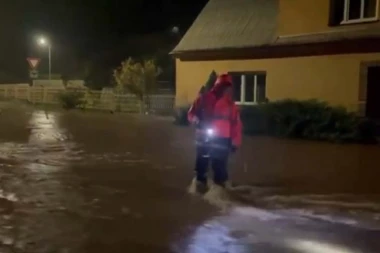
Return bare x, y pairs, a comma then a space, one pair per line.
367, 45
293, 40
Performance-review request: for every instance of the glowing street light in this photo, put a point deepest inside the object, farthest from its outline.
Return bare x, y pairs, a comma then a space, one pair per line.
44, 42
175, 30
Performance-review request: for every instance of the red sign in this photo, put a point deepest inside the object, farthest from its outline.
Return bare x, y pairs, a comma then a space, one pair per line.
33, 62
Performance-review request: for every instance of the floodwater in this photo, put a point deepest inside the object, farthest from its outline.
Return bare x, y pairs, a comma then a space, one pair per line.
90, 182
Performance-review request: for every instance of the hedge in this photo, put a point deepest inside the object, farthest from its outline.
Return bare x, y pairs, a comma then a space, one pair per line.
311, 119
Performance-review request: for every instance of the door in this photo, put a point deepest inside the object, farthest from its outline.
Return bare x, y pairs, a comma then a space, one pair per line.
373, 93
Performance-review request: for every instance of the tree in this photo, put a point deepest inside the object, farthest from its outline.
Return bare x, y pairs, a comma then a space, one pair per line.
139, 78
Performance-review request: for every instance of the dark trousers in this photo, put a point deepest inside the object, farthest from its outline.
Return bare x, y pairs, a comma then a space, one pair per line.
218, 160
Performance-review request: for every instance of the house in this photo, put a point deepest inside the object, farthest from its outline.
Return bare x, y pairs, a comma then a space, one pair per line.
278, 49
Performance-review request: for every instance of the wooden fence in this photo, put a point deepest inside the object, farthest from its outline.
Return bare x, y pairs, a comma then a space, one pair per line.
99, 100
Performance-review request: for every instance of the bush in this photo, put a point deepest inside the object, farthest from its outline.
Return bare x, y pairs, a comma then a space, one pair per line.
254, 120
309, 119
180, 116
72, 99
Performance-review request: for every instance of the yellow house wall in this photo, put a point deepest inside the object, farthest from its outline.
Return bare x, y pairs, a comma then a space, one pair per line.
334, 79
307, 16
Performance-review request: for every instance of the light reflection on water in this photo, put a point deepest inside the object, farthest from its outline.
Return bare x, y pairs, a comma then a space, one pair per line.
44, 161
249, 229
234, 230
48, 145
49, 142
50, 150
309, 246
214, 237
45, 128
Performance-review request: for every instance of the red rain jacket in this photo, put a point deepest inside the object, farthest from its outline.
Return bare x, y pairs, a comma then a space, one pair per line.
222, 115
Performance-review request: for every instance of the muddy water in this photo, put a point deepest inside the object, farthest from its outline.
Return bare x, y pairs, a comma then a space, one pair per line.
87, 182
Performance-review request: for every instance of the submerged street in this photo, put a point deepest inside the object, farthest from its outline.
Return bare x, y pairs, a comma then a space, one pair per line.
91, 182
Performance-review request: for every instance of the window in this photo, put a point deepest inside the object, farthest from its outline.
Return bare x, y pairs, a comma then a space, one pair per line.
353, 11
249, 88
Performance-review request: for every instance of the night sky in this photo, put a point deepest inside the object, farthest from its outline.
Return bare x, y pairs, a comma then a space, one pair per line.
84, 29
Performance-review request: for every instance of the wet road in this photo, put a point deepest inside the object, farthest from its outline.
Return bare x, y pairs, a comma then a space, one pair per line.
87, 182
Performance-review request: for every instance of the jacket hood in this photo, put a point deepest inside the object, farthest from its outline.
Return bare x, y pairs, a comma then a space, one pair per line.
222, 82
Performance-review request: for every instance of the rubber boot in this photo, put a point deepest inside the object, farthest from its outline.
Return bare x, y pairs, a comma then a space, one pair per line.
197, 187
218, 195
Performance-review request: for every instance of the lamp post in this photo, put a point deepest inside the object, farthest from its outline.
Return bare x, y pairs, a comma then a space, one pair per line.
43, 42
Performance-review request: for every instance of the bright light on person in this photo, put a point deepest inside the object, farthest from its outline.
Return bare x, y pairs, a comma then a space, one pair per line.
210, 131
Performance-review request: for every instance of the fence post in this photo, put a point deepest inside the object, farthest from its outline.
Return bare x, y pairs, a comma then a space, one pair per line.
114, 101
28, 94
44, 92
142, 106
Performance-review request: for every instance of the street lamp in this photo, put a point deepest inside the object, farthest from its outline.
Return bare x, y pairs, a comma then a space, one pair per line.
43, 42
175, 30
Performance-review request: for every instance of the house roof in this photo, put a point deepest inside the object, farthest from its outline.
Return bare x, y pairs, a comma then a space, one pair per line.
222, 25
253, 23
349, 33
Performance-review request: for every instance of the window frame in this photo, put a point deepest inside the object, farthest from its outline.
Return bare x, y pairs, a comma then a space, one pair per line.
243, 85
346, 10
